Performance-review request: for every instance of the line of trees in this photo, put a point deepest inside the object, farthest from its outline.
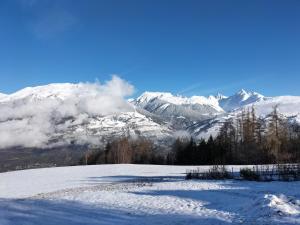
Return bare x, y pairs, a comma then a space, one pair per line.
246, 139
124, 150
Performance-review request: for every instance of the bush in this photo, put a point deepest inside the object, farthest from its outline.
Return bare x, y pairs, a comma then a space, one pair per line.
219, 172
249, 174
216, 172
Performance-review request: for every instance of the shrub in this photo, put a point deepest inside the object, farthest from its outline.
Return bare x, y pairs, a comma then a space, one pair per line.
249, 174
215, 172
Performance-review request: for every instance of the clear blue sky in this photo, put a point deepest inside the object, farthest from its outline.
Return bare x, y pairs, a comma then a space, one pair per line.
186, 47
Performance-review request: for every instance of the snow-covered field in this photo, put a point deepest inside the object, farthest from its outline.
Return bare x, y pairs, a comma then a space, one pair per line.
140, 194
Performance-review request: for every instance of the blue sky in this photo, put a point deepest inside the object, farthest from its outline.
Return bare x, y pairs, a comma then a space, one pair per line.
186, 47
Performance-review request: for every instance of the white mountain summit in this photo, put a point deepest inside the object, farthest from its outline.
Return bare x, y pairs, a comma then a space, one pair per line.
219, 103
240, 99
147, 97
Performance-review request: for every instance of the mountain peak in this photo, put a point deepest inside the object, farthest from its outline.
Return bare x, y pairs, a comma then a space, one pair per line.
155, 94
148, 96
249, 93
243, 92
240, 99
165, 99
220, 96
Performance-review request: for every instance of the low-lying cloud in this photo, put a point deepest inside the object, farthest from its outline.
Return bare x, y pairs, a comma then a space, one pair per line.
33, 116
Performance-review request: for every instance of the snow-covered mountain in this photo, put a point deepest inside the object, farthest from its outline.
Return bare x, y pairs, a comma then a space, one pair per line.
203, 116
148, 97
238, 100
64, 114
178, 111
288, 106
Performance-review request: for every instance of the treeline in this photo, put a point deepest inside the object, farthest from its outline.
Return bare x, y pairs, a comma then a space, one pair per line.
246, 139
124, 150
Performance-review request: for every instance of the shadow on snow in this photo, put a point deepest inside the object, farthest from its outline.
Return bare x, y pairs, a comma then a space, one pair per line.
47, 212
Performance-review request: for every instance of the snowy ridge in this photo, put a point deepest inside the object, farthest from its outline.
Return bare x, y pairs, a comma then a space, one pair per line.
180, 112
219, 103
59, 90
147, 97
240, 99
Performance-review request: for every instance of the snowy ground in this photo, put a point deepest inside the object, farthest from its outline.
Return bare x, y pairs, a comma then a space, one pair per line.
140, 194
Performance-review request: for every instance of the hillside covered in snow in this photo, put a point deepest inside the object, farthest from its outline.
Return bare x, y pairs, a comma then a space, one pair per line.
61, 114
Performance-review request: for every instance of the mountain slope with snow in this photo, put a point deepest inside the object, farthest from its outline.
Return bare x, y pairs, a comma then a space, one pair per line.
288, 107
61, 114
148, 97
180, 112
240, 99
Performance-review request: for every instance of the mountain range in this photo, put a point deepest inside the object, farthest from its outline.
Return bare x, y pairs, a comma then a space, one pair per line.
65, 116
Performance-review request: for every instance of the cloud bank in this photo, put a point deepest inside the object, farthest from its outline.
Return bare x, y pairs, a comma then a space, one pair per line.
33, 117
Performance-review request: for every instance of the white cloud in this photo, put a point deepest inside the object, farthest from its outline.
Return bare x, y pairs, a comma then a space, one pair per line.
32, 116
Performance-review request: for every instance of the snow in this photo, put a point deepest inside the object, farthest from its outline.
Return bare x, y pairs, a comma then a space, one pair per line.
220, 96
141, 194
284, 205
178, 100
2, 95
59, 90
14, 184
83, 113
287, 105
240, 99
